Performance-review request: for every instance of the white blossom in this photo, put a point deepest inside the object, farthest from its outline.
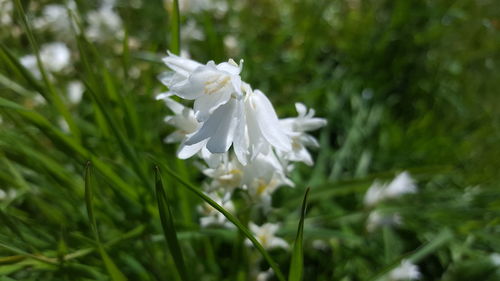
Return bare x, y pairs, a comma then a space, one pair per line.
266, 235
104, 24
376, 219
6, 10
402, 184
55, 57
296, 128
56, 19
210, 85
75, 91
406, 271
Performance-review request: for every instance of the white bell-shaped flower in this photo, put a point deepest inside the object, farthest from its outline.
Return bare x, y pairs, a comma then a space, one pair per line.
266, 235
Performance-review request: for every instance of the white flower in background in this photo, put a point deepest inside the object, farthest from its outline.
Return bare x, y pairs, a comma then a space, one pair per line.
211, 216
56, 19
377, 219
265, 234
8, 194
406, 271
210, 85
190, 31
374, 194
6, 10
55, 57
495, 259
231, 44
296, 128
104, 23
75, 91
219, 7
402, 184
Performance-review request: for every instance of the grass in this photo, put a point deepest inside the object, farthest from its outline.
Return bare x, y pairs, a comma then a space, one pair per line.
404, 86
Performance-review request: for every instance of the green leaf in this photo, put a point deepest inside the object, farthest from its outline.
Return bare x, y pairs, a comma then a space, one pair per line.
113, 271
229, 217
167, 223
175, 44
297, 264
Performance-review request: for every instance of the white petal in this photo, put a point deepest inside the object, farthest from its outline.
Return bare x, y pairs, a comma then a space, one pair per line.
181, 65
240, 142
301, 109
206, 104
268, 122
223, 137
186, 151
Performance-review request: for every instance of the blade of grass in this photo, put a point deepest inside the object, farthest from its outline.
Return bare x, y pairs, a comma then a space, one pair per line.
53, 96
297, 263
167, 223
228, 215
175, 43
114, 272
56, 135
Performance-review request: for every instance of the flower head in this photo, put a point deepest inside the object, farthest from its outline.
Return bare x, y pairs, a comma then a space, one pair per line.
406, 271
265, 234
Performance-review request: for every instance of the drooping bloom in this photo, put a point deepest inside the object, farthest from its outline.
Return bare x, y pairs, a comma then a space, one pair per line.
210, 216
104, 23
406, 271
376, 219
402, 184
296, 128
266, 235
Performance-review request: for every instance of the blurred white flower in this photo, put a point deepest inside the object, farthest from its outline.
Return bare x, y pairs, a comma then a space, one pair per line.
190, 31
265, 234
374, 194
6, 10
75, 91
376, 219
55, 57
402, 184
296, 128
495, 259
399, 186
219, 7
56, 19
104, 24
406, 271
210, 216
232, 45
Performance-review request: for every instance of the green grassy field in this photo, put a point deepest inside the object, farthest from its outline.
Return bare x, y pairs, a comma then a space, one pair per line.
89, 190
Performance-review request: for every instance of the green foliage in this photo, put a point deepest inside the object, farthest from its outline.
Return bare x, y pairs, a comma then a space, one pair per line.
404, 85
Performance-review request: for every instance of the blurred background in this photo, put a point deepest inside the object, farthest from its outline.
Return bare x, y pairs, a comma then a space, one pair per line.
405, 86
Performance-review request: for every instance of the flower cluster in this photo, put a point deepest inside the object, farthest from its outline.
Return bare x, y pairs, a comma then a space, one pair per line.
378, 192
234, 129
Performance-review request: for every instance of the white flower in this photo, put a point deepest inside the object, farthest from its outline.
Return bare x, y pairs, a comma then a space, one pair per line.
374, 194
226, 176
210, 216
54, 56
296, 128
265, 275
75, 91
210, 85
56, 19
406, 271
262, 176
377, 219
6, 9
104, 24
402, 184
265, 234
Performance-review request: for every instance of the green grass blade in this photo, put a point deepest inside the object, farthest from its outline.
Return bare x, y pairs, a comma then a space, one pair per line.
297, 263
230, 217
175, 44
114, 272
167, 223
53, 96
